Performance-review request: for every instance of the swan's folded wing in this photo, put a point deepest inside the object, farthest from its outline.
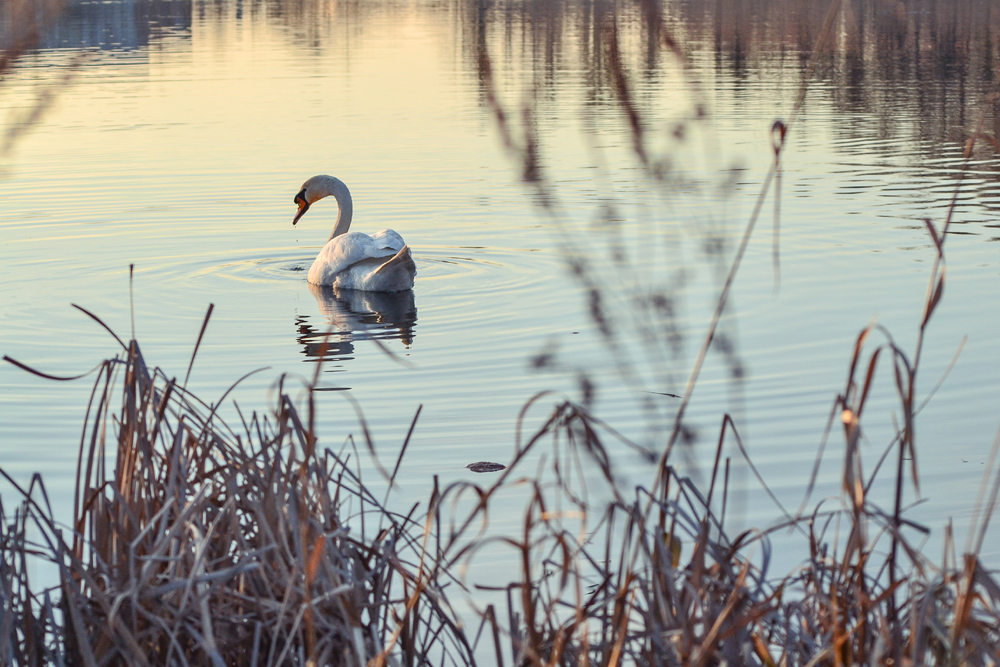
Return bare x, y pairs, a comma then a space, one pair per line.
344, 251
388, 239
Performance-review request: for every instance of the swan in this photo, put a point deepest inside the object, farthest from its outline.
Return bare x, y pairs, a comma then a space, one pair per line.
352, 260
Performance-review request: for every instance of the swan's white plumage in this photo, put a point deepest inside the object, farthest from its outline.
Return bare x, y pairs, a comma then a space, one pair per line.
380, 262
339, 254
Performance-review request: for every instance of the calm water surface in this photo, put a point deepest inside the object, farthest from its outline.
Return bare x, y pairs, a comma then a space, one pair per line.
189, 126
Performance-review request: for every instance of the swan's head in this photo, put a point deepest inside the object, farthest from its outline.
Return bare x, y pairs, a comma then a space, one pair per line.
312, 191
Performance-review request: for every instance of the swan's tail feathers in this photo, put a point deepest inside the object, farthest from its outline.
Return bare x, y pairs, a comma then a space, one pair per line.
401, 260
397, 274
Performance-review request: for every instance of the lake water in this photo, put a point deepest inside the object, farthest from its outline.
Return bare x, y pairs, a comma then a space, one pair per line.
187, 128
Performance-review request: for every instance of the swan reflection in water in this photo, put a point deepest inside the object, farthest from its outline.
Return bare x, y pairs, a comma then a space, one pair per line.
353, 315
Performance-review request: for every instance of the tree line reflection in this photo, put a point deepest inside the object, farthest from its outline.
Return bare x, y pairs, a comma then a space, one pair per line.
930, 62
934, 62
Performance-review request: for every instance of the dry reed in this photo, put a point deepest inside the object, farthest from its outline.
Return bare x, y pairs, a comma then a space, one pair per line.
863, 594
196, 543
193, 543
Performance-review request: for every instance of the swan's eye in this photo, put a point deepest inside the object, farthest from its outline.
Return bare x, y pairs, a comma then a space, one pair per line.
301, 197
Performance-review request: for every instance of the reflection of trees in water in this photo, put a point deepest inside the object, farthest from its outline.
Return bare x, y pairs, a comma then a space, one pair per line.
921, 67
23, 24
880, 50
548, 40
936, 60
125, 24
922, 70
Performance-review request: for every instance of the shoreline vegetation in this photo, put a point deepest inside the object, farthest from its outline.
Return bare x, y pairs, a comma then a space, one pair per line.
200, 541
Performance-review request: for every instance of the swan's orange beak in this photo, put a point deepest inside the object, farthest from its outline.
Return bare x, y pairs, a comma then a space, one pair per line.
303, 203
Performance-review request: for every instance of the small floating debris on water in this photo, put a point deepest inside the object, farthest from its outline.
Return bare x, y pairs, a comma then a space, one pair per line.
485, 466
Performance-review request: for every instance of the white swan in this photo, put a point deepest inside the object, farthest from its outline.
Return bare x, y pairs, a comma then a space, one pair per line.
352, 260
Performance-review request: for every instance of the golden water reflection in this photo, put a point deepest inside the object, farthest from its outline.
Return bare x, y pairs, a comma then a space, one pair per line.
924, 68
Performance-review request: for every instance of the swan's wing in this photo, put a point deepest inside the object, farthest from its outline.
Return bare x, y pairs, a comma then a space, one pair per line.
344, 251
388, 239
394, 274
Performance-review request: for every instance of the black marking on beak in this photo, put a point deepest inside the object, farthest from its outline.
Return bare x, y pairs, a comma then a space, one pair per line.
303, 203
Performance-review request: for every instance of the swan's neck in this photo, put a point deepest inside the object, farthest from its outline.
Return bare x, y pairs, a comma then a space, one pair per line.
345, 206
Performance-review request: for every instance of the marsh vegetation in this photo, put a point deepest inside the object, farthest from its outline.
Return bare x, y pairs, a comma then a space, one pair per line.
205, 533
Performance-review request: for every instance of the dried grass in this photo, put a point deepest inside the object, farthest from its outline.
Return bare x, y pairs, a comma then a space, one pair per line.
195, 543
620, 591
